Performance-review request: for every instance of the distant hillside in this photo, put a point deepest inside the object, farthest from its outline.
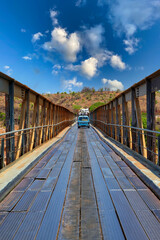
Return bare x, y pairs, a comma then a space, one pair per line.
86, 99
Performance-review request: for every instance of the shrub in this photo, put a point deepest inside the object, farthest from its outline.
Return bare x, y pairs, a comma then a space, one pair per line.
76, 107
86, 89
144, 119
2, 116
95, 105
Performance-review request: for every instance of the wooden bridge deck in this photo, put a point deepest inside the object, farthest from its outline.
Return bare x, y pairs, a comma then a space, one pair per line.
80, 190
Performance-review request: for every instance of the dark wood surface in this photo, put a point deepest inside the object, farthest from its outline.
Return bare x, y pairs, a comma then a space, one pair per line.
80, 190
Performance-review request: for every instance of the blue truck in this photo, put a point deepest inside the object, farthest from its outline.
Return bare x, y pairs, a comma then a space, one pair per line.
83, 121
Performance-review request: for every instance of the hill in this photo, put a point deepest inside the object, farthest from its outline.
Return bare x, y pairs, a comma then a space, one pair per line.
86, 99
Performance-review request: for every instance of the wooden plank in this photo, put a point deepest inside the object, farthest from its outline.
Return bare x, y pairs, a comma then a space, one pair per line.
50, 224
25, 202
36, 185
10, 201
31, 222
130, 224
110, 225
11, 223
41, 202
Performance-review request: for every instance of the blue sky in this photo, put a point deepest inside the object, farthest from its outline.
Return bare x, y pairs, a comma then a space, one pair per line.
62, 45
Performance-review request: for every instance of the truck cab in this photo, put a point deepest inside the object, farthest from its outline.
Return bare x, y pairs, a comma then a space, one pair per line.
83, 121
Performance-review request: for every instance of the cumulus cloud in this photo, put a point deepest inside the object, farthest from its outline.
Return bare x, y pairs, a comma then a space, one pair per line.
53, 15
89, 67
27, 58
131, 45
72, 67
128, 16
8, 70
67, 44
116, 62
113, 85
37, 36
92, 38
56, 68
69, 84
103, 56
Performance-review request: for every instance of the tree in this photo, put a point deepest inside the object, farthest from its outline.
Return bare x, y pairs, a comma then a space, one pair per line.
86, 89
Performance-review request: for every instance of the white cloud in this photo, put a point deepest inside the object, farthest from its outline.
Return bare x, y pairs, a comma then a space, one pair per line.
27, 58
53, 15
103, 57
69, 84
116, 62
37, 36
72, 67
56, 68
23, 30
113, 85
128, 16
131, 44
8, 70
80, 3
66, 44
92, 38
89, 67
6, 67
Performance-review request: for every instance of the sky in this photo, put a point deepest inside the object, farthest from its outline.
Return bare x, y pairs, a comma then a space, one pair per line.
64, 45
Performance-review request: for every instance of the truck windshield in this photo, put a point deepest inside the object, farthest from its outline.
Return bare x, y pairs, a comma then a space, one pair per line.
83, 118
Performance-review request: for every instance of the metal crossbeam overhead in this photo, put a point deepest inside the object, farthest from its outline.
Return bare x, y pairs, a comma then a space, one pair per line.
47, 120
129, 129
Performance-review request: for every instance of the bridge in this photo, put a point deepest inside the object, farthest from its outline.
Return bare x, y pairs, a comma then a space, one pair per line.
61, 182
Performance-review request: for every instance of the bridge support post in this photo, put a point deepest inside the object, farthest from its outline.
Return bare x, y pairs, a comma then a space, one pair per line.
27, 119
2, 154
134, 121
124, 120
150, 120
9, 108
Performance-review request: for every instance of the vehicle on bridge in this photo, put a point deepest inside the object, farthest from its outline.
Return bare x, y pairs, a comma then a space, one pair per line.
83, 121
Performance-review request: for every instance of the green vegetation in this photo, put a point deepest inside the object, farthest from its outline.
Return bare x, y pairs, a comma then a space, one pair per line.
2, 117
95, 105
144, 120
76, 107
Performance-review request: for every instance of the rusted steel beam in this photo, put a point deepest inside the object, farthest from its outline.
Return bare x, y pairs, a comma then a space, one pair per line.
150, 120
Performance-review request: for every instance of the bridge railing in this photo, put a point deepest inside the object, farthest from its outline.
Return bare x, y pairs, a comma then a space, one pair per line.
121, 118
35, 135
39, 120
